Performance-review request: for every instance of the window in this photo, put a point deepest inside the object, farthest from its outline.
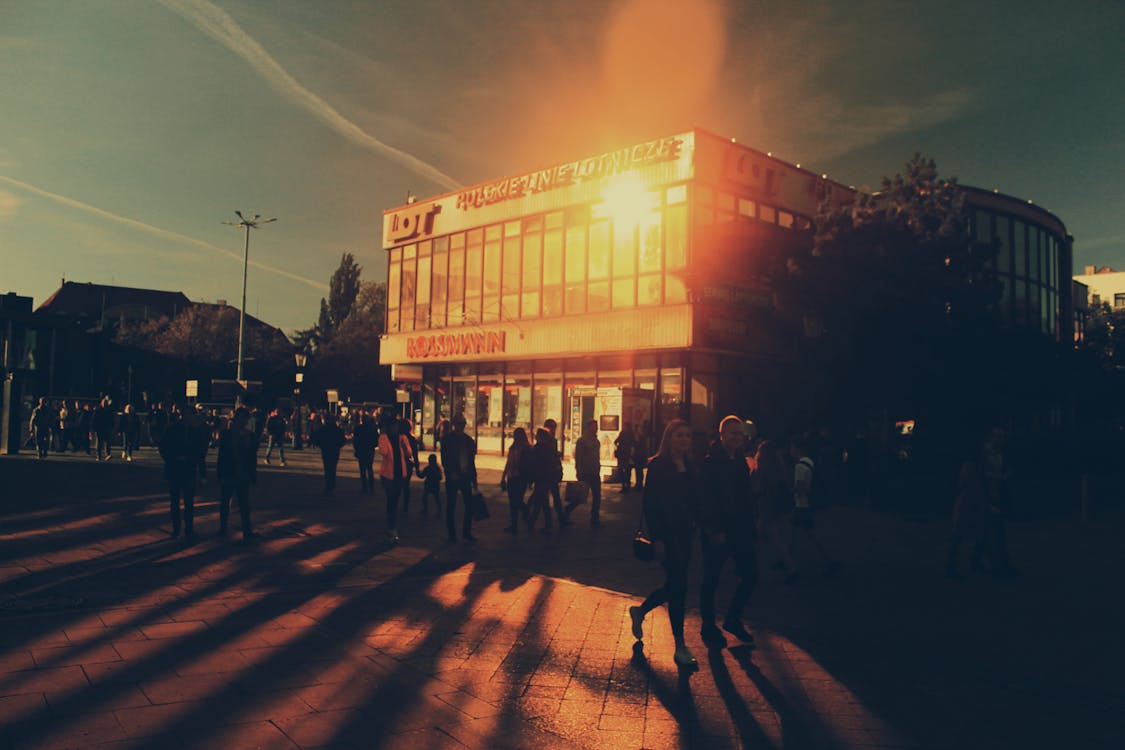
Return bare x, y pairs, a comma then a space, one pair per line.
491, 278
457, 280
599, 250
1019, 247
474, 254
652, 249
1118, 301
409, 270
440, 299
675, 239
767, 214
552, 265
1003, 245
576, 269
747, 209
785, 219
422, 316
394, 290
532, 256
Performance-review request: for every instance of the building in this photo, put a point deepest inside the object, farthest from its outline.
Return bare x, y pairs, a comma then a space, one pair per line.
101, 306
629, 288
1104, 285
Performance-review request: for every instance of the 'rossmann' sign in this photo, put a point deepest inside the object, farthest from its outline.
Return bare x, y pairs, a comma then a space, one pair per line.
455, 344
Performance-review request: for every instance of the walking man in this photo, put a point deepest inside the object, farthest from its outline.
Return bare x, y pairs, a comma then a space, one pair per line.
183, 446
588, 467
728, 528
275, 429
237, 469
459, 461
40, 427
103, 429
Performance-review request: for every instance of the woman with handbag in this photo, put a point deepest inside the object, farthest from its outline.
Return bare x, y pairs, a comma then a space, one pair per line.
669, 510
514, 479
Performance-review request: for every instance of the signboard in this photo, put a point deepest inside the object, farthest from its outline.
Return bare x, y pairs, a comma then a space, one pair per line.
192, 389
333, 396
402, 397
404, 373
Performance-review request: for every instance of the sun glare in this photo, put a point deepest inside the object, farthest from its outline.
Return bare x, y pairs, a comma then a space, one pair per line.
626, 200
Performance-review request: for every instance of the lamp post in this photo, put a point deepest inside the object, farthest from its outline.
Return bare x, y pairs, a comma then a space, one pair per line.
247, 224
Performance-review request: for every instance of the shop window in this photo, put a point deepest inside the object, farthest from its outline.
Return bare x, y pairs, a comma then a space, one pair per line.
490, 413
547, 399
464, 402
517, 405
599, 250
675, 238
671, 395
1119, 301
983, 228
649, 288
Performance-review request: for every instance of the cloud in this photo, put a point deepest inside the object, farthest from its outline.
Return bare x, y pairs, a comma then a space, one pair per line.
9, 202
133, 223
215, 23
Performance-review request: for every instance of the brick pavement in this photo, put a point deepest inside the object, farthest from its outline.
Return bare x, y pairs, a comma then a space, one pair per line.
322, 635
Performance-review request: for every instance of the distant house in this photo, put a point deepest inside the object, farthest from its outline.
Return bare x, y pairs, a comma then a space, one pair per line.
100, 307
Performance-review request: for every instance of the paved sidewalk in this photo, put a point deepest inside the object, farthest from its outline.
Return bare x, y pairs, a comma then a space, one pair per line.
322, 635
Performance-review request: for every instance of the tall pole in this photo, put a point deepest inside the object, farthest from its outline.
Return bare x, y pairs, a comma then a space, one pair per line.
246, 224
242, 307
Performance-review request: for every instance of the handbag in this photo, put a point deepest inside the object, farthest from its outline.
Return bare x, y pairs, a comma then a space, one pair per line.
576, 493
643, 548
478, 507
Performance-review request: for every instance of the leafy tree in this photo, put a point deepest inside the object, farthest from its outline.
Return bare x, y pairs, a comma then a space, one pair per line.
1105, 337
350, 360
890, 300
343, 290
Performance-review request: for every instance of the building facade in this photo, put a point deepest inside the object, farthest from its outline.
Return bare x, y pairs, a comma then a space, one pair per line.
630, 288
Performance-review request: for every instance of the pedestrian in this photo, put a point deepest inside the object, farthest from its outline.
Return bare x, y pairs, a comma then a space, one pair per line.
183, 446
669, 499
84, 429
275, 432
364, 439
406, 430
70, 428
970, 515
998, 477
103, 429
514, 479
58, 427
547, 474
130, 432
157, 422
394, 470
640, 453
802, 518
431, 485
774, 499
295, 426
728, 530
40, 426
623, 452
330, 439
237, 468
588, 467
459, 462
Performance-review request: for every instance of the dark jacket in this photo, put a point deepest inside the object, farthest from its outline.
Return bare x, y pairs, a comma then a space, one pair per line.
432, 476
548, 464
459, 457
587, 457
183, 448
727, 504
364, 439
275, 427
103, 420
238, 456
331, 439
669, 499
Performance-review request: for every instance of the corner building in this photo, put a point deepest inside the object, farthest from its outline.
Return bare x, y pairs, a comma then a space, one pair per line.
622, 287
629, 287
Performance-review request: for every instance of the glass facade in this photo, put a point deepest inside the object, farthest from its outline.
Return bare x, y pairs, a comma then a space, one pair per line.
1027, 266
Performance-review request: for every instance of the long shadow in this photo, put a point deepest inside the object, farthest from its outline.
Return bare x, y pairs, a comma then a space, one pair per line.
678, 700
798, 729
749, 730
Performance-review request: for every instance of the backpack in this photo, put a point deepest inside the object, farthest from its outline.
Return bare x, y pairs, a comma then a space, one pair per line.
817, 497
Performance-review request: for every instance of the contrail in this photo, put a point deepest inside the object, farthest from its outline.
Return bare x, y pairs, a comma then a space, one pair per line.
157, 230
215, 23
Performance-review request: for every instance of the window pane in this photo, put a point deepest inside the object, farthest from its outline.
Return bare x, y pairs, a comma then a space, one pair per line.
529, 308
746, 208
552, 300
532, 250
624, 293
575, 254
1003, 245
767, 214
457, 283
490, 313
984, 228
576, 298
652, 249
512, 229
509, 307
492, 266
599, 250
511, 265
424, 248
597, 298
408, 289
675, 292
394, 289
624, 251
422, 317
676, 238
552, 257
649, 289
1019, 246
1036, 256
440, 298
473, 255
785, 220
677, 194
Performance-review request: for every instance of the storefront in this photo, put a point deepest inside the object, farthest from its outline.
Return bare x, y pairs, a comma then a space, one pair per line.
626, 288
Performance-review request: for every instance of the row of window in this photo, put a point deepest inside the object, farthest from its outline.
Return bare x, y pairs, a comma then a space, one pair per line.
564, 262
1024, 250
547, 265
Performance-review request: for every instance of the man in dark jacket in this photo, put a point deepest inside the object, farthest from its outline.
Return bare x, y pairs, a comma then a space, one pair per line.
331, 439
237, 469
103, 428
275, 430
728, 529
183, 446
459, 461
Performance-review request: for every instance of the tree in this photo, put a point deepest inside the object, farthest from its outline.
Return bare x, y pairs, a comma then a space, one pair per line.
350, 359
343, 289
890, 302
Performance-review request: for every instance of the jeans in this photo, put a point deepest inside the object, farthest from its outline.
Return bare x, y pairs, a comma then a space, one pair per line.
182, 487
280, 443
452, 488
392, 488
677, 559
745, 554
239, 488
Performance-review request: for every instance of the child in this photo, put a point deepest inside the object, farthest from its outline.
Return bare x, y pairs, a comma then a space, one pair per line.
432, 484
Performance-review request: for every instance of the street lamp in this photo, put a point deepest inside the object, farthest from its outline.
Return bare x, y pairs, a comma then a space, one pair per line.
247, 224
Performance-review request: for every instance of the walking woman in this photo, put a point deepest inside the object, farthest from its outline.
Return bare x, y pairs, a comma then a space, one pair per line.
394, 470
364, 439
514, 479
670, 491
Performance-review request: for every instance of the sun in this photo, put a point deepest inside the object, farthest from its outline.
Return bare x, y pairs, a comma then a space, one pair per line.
626, 200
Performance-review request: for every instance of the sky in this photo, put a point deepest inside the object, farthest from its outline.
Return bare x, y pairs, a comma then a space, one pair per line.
130, 130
